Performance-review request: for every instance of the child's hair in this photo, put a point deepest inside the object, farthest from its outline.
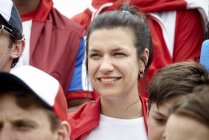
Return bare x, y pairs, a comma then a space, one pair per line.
176, 79
195, 106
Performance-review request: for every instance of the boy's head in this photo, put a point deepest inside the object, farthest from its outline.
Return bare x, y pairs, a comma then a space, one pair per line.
190, 119
33, 105
170, 85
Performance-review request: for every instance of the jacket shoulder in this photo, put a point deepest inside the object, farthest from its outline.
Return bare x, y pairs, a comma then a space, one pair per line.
62, 22
85, 119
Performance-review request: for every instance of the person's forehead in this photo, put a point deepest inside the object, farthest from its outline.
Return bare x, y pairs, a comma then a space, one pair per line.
115, 37
184, 127
23, 124
163, 104
171, 101
164, 107
8, 104
22, 97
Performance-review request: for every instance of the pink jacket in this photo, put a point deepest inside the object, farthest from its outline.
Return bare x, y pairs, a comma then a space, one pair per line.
54, 42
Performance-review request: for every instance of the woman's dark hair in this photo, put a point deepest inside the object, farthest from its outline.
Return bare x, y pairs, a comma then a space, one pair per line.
126, 17
176, 79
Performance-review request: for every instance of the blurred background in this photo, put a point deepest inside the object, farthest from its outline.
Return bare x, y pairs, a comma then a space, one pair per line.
71, 7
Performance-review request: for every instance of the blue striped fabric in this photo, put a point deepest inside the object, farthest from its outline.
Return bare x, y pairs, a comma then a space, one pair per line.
80, 80
204, 55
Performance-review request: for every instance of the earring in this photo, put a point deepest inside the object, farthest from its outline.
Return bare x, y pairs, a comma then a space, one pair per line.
141, 74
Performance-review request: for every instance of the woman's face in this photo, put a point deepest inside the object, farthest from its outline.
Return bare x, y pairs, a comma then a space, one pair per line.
185, 128
112, 62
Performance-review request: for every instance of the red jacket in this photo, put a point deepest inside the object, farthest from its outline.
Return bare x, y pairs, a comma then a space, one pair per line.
87, 117
54, 42
188, 28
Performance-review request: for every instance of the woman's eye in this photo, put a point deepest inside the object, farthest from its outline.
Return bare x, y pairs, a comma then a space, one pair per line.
94, 56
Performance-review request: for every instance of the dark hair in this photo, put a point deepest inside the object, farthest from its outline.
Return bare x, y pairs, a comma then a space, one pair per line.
196, 105
25, 100
127, 17
176, 79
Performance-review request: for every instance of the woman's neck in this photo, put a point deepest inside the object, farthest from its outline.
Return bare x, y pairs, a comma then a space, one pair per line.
123, 108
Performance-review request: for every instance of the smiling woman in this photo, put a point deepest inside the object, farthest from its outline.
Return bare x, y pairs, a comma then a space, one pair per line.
111, 52
119, 50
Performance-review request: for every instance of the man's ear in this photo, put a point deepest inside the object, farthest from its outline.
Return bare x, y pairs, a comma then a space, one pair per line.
64, 131
17, 48
143, 60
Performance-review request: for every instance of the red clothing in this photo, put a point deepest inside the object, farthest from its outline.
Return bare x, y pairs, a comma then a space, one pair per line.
188, 29
188, 38
54, 42
87, 117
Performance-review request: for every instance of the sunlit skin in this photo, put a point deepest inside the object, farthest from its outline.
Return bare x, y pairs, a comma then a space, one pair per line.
185, 128
113, 68
19, 124
157, 118
5, 51
9, 50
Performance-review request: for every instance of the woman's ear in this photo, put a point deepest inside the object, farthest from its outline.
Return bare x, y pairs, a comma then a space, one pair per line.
143, 60
17, 49
64, 131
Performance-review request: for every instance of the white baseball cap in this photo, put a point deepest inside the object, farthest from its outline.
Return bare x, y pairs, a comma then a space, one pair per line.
39, 83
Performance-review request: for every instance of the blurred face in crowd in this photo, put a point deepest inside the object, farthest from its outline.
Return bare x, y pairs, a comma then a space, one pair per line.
33, 123
5, 50
10, 49
157, 118
185, 128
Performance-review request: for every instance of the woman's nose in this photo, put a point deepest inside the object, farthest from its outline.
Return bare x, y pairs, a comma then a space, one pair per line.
106, 65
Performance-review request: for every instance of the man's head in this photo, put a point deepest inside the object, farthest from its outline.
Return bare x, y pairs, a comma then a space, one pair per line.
11, 35
32, 106
170, 85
